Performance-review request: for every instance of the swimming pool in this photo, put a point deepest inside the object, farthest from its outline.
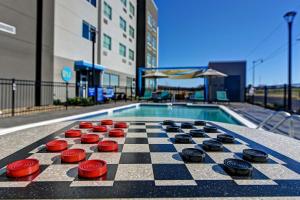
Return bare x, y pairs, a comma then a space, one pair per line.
210, 113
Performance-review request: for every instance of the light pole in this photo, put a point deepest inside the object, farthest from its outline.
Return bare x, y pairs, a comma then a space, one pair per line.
254, 63
289, 17
93, 37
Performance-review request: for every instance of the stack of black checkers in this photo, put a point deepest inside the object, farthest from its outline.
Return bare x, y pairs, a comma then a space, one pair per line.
210, 129
197, 133
212, 145
225, 138
183, 138
193, 155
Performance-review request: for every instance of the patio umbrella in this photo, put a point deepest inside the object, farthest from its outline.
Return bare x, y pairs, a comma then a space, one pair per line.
155, 75
210, 73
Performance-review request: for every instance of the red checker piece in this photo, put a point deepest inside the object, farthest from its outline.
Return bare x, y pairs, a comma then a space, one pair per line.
102, 128
107, 122
92, 168
89, 138
73, 133
57, 145
116, 133
85, 125
108, 145
22, 168
72, 155
120, 125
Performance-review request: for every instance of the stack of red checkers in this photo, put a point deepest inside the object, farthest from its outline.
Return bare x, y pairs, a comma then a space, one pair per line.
120, 125
72, 133
108, 145
72, 155
92, 168
107, 122
56, 145
116, 133
89, 138
102, 128
85, 125
22, 168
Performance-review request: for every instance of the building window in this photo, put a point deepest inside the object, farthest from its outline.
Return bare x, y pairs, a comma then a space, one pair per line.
122, 50
154, 42
149, 20
111, 79
149, 38
124, 2
122, 24
107, 11
106, 81
129, 81
149, 60
131, 31
131, 55
154, 61
131, 8
114, 80
107, 42
93, 2
86, 30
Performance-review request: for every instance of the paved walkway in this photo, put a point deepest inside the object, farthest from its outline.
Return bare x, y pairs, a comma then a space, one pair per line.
27, 119
257, 114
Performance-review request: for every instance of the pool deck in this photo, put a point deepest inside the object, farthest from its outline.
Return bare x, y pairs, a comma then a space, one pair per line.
34, 118
277, 179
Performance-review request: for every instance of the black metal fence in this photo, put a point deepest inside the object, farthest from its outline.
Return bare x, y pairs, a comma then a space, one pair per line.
18, 97
275, 97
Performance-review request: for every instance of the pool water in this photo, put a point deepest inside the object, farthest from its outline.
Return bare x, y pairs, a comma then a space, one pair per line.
197, 113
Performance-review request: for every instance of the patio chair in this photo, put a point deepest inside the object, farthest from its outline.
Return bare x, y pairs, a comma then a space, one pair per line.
147, 95
163, 96
197, 96
222, 96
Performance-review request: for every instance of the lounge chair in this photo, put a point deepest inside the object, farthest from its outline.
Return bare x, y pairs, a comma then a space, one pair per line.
197, 96
163, 96
147, 95
222, 96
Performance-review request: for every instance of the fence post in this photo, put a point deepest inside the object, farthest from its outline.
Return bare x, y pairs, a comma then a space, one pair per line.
125, 93
284, 96
67, 95
13, 94
131, 93
265, 96
115, 94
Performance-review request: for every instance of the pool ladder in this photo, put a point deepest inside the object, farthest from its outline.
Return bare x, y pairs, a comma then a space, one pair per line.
286, 117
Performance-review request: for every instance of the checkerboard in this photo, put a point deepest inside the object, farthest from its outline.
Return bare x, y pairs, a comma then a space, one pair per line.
148, 164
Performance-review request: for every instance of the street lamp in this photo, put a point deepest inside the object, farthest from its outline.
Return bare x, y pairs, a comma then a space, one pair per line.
289, 17
254, 63
93, 33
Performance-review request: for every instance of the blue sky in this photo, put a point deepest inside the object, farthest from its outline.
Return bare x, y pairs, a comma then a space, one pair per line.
194, 32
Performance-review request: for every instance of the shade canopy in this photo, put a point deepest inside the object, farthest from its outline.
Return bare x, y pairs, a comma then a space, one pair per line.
156, 74
211, 73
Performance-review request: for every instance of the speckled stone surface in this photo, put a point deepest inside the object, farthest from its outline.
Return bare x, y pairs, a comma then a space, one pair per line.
148, 164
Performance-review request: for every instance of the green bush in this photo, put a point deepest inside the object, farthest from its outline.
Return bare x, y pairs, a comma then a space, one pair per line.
57, 102
77, 101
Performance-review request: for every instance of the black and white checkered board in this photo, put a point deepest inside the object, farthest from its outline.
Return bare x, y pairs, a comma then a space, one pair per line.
148, 164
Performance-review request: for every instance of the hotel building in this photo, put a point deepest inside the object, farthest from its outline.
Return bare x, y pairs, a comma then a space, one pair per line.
49, 36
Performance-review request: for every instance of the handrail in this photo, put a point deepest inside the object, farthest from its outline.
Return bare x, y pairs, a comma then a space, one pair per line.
287, 117
291, 118
285, 114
